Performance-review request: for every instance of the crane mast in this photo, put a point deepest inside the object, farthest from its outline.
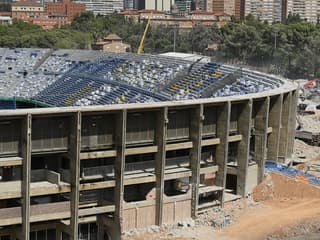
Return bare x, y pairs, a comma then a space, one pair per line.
140, 48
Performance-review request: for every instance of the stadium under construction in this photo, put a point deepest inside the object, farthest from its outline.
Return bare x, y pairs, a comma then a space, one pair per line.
94, 144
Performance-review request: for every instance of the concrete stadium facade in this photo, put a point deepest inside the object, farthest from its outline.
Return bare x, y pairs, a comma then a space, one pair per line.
96, 172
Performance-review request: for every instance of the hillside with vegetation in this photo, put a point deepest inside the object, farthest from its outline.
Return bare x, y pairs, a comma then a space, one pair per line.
291, 49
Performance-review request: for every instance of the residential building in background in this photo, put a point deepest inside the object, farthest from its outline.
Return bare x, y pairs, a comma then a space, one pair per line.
49, 15
223, 6
65, 8
103, 7
267, 10
26, 9
307, 9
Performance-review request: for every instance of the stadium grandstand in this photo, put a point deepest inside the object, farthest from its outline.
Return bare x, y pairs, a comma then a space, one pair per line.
63, 78
95, 144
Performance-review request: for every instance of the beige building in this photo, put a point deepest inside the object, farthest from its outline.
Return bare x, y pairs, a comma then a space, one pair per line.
111, 43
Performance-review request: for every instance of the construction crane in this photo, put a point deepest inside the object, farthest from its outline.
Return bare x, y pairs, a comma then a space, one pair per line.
140, 48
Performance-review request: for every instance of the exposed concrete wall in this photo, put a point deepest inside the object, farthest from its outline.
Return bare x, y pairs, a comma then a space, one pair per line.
161, 136
277, 112
195, 156
260, 135
285, 125
244, 128
26, 175
223, 123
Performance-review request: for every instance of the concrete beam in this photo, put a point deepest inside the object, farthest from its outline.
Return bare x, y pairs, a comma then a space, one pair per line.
244, 128
74, 158
292, 123
223, 123
26, 175
196, 125
285, 125
275, 123
161, 136
260, 135
119, 168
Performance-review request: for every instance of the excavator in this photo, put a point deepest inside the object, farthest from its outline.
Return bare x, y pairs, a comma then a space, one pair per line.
140, 48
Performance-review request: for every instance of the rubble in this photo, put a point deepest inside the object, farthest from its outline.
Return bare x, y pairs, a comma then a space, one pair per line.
305, 151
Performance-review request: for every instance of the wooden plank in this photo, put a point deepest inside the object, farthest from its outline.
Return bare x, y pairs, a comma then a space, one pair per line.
175, 146
97, 185
206, 189
139, 180
175, 175
210, 169
10, 161
211, 141
235, 138
141, 150
98, 154
96, 210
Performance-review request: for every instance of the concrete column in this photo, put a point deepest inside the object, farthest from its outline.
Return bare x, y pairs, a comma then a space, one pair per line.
58, 233
74, 158
26, 175
161, 136
119, 168
195, 156
292, 123
260, 135
274, 122
244, 128
223, 123
285, 123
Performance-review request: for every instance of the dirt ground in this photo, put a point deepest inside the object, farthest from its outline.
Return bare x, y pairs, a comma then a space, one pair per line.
279, 208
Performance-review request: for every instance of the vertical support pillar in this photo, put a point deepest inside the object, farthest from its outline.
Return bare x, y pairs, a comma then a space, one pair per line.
119, 168
26, 175
275, 123
58, 233
161, 136
195, 157
74, 158
244, 128
260, 136
292, 123
223, 125
285, 123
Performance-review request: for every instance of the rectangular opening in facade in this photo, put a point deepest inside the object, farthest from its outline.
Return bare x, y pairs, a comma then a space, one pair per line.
139, 192
10, 137
50, 134
97, 132
178, 128
140, 128
210, 122
99, 169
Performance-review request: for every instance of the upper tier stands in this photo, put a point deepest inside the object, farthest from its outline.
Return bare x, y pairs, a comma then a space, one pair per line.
81, 78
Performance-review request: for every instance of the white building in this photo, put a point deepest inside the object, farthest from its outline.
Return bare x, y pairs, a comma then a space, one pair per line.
102, 7
307, 9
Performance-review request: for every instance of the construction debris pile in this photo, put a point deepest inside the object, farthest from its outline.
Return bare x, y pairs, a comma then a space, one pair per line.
308, 117
277, 186
306, 152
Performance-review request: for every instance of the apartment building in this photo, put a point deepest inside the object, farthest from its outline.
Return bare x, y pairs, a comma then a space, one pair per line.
103, 7
307, 9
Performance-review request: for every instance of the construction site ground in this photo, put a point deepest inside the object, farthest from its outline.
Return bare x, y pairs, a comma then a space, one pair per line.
279, 208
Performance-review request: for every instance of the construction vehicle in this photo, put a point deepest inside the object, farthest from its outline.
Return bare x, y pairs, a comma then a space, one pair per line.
140, 48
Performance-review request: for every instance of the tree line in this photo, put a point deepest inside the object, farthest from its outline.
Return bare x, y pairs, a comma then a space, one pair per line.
291, 49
